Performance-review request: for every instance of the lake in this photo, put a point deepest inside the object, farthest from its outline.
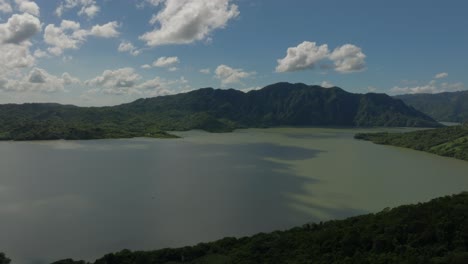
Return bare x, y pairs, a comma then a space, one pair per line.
83, 199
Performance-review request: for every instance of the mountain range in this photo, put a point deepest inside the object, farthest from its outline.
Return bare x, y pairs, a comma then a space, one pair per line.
448, 106
213, 110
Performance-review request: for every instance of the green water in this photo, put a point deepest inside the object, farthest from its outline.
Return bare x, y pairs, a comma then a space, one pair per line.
83, 199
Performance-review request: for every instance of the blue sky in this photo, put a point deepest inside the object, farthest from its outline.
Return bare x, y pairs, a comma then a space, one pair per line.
91, 52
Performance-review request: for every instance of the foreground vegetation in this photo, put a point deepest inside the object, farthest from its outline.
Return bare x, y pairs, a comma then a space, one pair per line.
435, 232
447, 141
448, 106
281, 104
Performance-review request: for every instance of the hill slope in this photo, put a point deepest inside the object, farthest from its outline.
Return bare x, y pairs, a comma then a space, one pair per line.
281, 104
448, 107
446, 141
434, 232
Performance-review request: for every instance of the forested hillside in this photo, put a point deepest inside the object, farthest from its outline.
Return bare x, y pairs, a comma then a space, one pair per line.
281, 104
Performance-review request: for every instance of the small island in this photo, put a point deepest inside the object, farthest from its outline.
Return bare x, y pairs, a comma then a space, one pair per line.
447, 141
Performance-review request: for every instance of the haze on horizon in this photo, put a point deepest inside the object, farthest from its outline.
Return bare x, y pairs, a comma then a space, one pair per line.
90, 52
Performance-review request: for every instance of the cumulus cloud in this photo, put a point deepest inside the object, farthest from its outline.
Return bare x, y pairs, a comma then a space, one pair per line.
15, 56
327, 84
15, 42
347, 58
205, 71
90, 11
116, 81
248, 89
27, 6
19, 28
38, 53
38, 80
70, 35
108, 30
126, 81
229, 75
146, 66
87, 8
441, 75
183, 22
5, 6
166, 61
431, 87
126, 46
305, 56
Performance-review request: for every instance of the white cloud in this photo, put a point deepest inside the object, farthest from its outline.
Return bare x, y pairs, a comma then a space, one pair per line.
126, 46
5, 6
38, 53
305, 56
126, 81
14, 56
205, 71
38, 80
118, 81
88, 8
15, 42
254, 88
19, 28
173, 69
27, 6
146, 66
69, 35
441, 75
159, 86
108, 30
229, 75
431, 87
166, 61
347, 58
327, 84
89, 11
183, 22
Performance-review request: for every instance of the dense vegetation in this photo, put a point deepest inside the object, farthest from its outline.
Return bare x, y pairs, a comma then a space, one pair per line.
448, 107
281, 104
4, 259
446, 141
427, 233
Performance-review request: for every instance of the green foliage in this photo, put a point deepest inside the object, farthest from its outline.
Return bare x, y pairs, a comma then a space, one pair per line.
447, 141
281, 104
4, 259
448, 107
426, 233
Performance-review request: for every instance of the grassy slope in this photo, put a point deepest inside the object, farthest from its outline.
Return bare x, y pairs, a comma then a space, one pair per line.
447, 141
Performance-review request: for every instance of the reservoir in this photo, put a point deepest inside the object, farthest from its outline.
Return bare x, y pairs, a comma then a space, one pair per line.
83, 199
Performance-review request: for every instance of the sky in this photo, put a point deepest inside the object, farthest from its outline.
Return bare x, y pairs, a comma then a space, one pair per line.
107, 52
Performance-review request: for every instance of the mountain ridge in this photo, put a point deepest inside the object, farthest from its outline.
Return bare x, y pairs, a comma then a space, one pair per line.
444, 107
213, 110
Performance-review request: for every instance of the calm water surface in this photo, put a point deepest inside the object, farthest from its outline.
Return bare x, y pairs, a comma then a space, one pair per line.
82, 199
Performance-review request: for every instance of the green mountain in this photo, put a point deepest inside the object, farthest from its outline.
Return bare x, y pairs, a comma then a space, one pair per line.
435, 232
447, 141
214, 110
448, 107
